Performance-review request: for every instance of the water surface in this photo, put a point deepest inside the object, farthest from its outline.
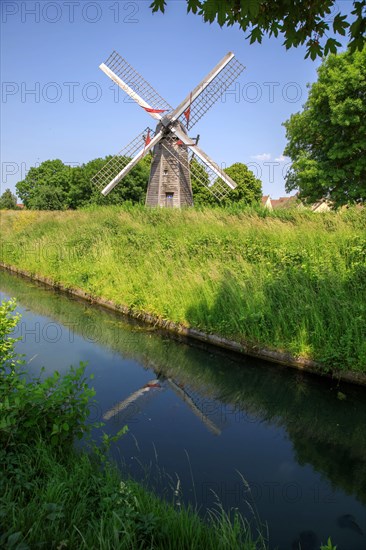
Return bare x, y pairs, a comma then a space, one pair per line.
209, 419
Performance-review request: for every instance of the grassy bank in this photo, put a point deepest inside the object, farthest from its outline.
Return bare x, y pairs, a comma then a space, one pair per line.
54, 501
52, 496
292, 281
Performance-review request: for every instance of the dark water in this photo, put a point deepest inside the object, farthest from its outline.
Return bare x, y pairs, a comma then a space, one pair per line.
209, 419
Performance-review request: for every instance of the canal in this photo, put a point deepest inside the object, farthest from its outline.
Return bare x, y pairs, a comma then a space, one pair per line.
209, 425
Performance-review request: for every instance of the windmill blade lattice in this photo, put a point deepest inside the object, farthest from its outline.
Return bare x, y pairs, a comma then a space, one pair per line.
211, 416
134, 80
199, 170
117, 163
212, 93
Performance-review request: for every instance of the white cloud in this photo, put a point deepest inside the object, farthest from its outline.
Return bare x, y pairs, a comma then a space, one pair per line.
281, 158
262, 156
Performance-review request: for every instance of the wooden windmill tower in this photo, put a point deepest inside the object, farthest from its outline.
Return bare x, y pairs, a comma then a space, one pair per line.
173, 149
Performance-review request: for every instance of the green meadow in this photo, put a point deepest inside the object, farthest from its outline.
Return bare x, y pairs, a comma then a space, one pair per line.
289, 280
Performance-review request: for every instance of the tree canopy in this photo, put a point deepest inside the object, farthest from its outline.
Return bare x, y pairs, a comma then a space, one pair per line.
55, 186
248, 189
8, 201
327, 140
299, 22
133, 188
202, 196
45, 187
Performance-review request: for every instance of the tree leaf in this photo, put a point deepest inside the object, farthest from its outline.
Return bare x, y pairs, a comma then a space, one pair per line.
158, 5
340, 24
210, 9
256, 35
254, 6
193, 6
221, 14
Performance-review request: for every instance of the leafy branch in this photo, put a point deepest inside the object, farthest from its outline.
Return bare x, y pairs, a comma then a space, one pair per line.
299, 23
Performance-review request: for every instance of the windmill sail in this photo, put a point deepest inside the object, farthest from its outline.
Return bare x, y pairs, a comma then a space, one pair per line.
135, 150
200, 170
212, 93
210, 90
126, 75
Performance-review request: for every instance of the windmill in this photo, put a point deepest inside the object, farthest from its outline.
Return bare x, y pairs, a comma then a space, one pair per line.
173, 150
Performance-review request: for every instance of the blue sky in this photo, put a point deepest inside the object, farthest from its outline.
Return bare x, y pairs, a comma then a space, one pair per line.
57, 103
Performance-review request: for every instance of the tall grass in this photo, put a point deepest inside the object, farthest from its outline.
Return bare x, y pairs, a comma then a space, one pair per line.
69, 502
291, 280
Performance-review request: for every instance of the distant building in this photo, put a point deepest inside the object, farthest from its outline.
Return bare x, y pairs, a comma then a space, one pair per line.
282, 202
321, 206
20, 206
287, 202
266, 202
294, 202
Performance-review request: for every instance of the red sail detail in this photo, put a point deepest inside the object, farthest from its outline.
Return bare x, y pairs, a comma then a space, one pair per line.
180, 142
148, 110
147, 139
187, 112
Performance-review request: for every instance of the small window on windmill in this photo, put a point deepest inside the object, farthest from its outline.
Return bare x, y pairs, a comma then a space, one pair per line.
169, 199
165, 173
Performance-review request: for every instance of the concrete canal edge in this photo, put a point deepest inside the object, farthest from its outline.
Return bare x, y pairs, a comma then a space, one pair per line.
272, 356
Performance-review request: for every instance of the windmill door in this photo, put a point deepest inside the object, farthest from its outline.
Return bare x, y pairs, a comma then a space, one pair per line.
169, 200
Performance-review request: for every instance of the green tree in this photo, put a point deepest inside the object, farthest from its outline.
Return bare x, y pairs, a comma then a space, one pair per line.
327, 140
82, 191
299, 22
55, 186
48, 198
248, 189
46, 186
200, 180
8, 201
132, 188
